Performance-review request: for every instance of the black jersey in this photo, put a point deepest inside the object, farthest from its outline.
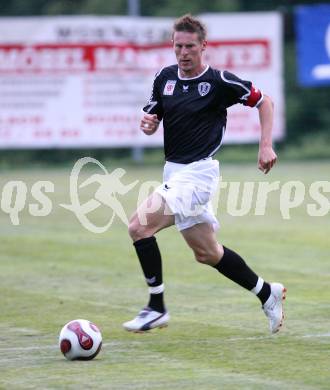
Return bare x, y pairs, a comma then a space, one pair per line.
194, 110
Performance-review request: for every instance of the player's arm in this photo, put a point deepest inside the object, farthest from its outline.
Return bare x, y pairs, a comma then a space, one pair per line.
153, 110
242, 91
266, 156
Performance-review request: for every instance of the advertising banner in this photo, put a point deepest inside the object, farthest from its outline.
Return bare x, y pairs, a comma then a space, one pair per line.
313, 44
82, 81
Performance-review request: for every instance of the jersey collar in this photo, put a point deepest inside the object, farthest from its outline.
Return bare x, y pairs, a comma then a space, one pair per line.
192, 78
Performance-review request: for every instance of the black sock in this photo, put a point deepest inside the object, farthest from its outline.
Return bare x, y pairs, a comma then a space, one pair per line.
151, 262
234, 267
264, 293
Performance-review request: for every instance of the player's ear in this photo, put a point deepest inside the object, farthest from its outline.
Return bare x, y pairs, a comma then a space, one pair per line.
204, 44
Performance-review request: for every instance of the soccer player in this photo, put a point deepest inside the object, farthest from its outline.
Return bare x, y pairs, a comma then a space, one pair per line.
191, 98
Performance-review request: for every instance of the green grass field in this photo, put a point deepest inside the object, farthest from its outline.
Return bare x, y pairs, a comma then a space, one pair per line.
52, 270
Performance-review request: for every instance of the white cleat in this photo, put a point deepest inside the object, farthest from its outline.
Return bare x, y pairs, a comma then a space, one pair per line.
147, 319
273, 307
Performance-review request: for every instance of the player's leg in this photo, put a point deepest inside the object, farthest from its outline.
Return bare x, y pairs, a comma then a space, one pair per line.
151, 217
202, 240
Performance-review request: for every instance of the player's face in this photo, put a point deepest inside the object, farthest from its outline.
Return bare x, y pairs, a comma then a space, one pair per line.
188, 50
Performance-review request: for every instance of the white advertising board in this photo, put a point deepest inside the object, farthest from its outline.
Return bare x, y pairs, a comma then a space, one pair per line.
81, 81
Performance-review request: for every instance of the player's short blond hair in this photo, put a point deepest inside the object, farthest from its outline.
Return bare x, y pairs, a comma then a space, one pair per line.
190, 24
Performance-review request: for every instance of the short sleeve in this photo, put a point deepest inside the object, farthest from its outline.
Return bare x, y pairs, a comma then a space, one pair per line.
240, 91
154, 105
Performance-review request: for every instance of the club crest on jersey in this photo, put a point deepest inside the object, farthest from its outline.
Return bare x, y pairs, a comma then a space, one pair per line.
204, 88
169, 87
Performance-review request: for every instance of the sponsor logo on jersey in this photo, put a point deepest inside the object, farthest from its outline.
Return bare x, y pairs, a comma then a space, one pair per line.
204, 88
169, 87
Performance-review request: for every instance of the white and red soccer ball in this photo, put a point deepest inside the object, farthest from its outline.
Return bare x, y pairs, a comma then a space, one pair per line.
80, 340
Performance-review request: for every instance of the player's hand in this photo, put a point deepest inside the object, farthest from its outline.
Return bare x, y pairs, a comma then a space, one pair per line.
266, 158
149, 123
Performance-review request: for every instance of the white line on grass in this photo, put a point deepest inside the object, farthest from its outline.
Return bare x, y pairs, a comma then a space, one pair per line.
40, 348
27, 349
50, 347
319, 335
315, 335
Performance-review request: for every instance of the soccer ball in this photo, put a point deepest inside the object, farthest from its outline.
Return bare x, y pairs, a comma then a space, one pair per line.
80, 340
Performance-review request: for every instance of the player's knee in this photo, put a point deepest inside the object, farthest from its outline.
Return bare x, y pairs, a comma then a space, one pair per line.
201, 257
205, 257
209, 256
136, 230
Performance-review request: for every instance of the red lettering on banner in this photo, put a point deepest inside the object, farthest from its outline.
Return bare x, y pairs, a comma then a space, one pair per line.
45, 133
248, 54
20, 120
69, 133
5, 134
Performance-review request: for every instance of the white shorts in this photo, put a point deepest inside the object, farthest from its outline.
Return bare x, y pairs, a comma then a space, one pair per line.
187, 190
